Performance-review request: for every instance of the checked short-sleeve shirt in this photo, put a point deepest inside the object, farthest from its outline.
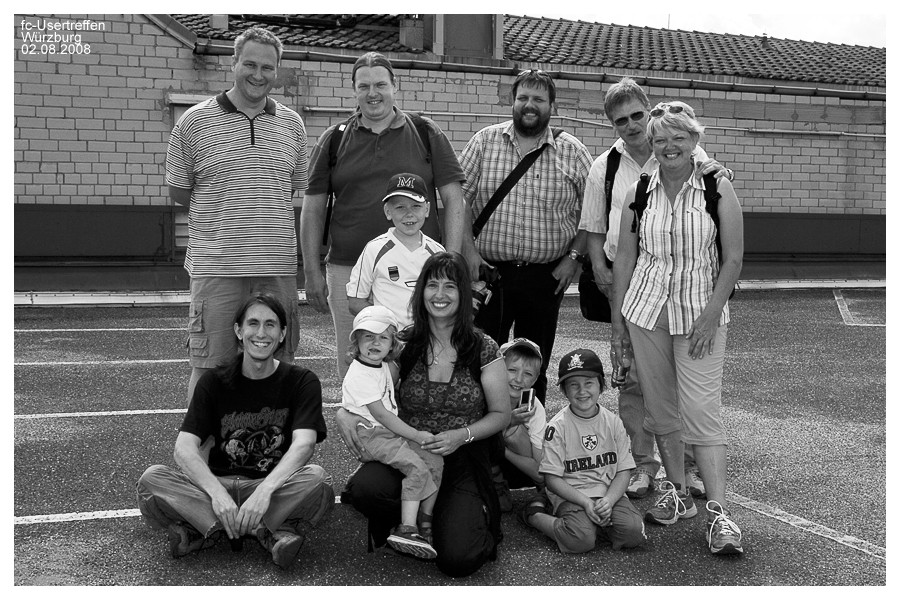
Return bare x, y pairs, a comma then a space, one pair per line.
538, 219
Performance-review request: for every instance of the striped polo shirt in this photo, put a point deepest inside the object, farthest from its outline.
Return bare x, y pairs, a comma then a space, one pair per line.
678, 264
241, 173
538, 219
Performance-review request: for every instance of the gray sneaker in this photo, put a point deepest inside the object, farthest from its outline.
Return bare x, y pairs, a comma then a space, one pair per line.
671, 506
723, 536
406, 539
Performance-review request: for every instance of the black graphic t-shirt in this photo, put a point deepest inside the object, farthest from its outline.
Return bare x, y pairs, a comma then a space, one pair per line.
253, 422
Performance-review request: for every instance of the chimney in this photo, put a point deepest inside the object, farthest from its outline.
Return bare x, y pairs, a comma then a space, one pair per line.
412, 32
218, 22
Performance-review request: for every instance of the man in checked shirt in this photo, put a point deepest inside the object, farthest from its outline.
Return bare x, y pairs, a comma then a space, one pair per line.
532, 237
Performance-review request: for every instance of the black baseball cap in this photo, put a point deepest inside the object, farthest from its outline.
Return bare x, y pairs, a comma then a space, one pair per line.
580, 362
406, 184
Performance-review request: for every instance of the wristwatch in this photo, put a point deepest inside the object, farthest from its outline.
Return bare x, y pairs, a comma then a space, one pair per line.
574, 255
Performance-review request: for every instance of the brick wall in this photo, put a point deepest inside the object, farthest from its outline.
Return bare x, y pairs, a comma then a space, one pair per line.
91, 127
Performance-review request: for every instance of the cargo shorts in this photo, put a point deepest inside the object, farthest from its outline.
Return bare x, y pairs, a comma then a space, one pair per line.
215, 300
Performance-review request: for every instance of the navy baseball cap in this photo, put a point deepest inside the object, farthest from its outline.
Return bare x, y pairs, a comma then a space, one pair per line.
580, 362
406, 184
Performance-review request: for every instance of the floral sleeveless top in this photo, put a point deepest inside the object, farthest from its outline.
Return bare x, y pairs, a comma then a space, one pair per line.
436, 406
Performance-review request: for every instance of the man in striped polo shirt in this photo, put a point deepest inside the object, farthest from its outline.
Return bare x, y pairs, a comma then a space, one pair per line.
235, 161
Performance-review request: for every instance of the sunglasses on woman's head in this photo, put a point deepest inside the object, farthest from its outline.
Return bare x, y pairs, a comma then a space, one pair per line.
661, 109
635, 116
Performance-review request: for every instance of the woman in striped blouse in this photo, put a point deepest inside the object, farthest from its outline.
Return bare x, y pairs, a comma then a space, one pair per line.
670, 303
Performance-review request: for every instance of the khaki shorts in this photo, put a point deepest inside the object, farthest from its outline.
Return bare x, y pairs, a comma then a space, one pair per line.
680, 394
214, 302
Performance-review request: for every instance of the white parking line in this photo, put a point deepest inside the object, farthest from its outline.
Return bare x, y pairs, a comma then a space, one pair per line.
763, 509
122, 413
91, 330
846, 315
89, 516
809, 526
108, 413
93, 363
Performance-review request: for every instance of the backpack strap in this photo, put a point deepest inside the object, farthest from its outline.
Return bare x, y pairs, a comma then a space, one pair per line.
712, 196
334, 144
641, 195
612, 167
422, 128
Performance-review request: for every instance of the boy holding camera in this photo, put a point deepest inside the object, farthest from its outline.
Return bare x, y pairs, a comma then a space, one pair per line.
389, 265
523, 437
586, 464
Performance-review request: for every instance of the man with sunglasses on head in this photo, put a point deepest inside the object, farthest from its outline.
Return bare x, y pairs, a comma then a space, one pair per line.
628, 109
532, 237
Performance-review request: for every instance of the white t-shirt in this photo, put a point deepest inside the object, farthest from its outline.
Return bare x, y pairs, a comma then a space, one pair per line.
365, 384
387, 270
587, 453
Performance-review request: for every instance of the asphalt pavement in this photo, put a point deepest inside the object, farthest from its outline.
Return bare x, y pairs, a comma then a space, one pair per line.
99, 394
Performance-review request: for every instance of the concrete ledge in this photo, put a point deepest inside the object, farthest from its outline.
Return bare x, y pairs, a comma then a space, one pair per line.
23, 299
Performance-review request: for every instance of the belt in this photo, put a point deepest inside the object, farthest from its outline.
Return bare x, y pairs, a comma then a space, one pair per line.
514, 263
521, 263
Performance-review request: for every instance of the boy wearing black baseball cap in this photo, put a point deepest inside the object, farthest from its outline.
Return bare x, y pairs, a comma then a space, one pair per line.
586, 465
385, 273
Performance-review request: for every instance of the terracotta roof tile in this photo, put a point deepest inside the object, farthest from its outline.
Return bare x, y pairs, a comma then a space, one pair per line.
564, 42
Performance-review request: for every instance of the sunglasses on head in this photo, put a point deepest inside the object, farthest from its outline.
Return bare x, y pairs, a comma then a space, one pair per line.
635, 116
661, 109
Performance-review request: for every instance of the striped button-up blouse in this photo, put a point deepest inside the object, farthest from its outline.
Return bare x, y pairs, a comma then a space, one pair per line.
678, 264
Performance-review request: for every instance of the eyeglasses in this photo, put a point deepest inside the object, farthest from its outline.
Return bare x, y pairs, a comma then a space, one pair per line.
635, 116
662, 108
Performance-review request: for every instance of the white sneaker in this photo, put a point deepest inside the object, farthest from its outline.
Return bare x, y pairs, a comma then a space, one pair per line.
694, 483
639, 485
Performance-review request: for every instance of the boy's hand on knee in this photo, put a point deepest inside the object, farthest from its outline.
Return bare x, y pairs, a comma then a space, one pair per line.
603, 510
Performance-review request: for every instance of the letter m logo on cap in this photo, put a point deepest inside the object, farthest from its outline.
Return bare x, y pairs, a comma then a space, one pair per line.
404, 182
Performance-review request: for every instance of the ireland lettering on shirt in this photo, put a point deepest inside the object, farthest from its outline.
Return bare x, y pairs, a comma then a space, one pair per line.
590, 462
